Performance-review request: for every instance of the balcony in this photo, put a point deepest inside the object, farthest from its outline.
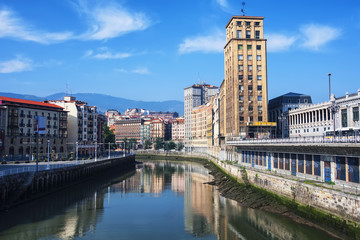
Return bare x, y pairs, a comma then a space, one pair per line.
13, 124
48, 118
21, 125
48, 126
29, 125
55, 118
29, 116
13, 114
22, 115
55, 126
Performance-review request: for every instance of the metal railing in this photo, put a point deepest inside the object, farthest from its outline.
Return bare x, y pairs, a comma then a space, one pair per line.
315, 140
45, 167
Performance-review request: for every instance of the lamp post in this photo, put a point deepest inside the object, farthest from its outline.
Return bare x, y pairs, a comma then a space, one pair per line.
282, 118
333, 108
109, 151
77, 156
95, 151
329, 74
48, 154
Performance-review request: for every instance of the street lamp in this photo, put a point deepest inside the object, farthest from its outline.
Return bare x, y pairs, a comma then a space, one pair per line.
48, 154
282, 118
329, 74
109, 151
77, 156
333, 108
95, 151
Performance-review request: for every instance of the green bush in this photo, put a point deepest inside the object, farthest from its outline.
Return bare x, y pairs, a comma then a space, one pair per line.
3, 162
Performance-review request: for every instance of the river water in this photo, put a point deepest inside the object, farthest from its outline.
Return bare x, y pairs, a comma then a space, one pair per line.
158, 200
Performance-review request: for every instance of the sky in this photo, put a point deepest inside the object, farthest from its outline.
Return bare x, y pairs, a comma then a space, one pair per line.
152, 49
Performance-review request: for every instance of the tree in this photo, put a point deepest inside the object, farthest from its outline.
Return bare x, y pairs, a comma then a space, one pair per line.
159, 143
170, 146
180, 146
147, 144
109, 136
132, 143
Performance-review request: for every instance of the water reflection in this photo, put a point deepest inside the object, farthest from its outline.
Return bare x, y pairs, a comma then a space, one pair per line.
160, 200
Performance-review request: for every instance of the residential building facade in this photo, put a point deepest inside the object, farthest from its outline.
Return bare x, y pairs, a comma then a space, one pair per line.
128, 128
178, 129
195, 95
245, 83
82, 125
19, 119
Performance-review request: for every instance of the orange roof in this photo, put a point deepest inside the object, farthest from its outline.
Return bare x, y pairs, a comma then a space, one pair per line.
16, 100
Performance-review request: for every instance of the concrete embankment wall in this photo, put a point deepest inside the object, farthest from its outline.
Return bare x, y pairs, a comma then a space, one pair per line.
19, 188
344, 205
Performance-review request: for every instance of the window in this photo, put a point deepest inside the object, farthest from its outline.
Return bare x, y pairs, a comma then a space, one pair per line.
249, 47
257, 34
259, 98
241, 118
257, 24
241, 67
241, 98
238, 33
238, 23
249, 67
356, 114
241, 108
247, 24
344, 117
258, 47
240, 46
248, 33
240, 57
260, 118
259, 87
241, 77
258, 57
241, 87
260, 108
251, 118
250, 77
250, 107
259, 77
249, 57
258, 67
250, 88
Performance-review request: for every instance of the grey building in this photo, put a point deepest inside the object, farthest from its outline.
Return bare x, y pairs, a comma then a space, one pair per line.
278, 109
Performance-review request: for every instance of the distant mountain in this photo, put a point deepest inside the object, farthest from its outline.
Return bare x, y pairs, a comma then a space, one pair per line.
105, 102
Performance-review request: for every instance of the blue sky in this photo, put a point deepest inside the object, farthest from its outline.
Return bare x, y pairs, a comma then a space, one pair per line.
152, 50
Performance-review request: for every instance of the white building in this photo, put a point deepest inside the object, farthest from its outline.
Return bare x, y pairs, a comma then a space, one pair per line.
178, 129
195, 95
317, 119
81, 125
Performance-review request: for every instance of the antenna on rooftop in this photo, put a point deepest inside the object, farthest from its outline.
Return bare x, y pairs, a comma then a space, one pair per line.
243, 8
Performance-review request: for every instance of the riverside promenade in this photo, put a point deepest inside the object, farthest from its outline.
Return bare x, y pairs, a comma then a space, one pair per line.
20, 184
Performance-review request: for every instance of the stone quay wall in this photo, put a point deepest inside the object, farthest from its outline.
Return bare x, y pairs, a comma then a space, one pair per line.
19, 188
334, 202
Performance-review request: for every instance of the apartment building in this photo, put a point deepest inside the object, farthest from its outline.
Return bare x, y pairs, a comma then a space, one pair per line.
245, 83
20, 119
128, 128
195, 95
82, 125
178, 129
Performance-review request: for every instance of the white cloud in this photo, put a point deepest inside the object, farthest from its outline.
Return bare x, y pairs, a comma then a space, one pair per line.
111, 20
213, 43
316, 36
16, 65
104, 53
279, 42
222, 3
141, 70
12, 26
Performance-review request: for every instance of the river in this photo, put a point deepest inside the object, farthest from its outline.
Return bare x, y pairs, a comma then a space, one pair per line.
157, 200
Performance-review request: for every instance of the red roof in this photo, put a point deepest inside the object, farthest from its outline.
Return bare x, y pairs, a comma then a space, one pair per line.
22, 101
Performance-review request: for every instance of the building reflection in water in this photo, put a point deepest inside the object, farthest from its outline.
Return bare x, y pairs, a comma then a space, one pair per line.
77, 212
